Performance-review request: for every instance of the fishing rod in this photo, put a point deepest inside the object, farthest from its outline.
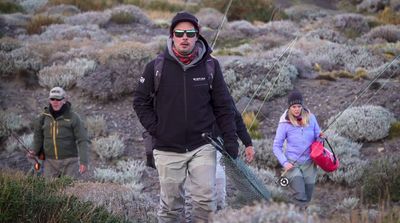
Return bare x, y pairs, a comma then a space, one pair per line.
37, 165
221, 24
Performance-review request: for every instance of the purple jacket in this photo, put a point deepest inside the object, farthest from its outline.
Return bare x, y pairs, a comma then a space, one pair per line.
299, 140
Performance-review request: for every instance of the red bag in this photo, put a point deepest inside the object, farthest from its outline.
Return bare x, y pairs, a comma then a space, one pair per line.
323, 157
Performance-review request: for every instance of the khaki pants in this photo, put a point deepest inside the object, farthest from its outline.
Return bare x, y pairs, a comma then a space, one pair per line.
65, 167
198, 167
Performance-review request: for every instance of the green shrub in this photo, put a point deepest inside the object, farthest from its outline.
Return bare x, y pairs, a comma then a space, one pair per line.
252, 10
381, 180
9, 7
122, 17
394, 131
33, 199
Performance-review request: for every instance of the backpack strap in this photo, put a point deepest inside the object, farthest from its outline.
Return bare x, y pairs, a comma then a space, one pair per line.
158, 66
210, 68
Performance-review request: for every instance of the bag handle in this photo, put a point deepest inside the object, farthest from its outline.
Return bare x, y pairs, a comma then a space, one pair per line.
330, 147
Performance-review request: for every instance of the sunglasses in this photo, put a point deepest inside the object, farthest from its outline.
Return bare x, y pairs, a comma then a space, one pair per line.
56, 99
189, 33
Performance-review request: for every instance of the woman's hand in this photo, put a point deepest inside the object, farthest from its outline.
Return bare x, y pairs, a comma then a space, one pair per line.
288, 166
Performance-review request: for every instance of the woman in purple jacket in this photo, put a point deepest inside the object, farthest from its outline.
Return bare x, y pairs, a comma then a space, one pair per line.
300, 129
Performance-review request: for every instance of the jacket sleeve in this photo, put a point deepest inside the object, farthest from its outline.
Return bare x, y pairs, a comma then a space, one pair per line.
81, 139
143, 102
278, 144
241, 129
38, 136
224, 112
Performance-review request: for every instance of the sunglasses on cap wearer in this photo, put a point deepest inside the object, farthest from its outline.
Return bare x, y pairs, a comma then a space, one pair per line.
189, 33
56, 99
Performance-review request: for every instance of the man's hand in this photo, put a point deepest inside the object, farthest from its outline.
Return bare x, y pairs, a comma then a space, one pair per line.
82, 168
249, 153
31, 154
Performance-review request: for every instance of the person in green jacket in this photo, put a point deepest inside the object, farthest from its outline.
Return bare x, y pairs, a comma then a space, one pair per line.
62, 136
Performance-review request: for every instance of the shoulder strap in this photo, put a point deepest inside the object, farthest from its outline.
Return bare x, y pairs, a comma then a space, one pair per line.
210, 68
158, 66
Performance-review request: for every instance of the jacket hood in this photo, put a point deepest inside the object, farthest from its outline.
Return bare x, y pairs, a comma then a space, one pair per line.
284, 117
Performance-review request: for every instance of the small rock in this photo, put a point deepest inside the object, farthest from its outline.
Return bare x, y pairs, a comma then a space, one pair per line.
381, 149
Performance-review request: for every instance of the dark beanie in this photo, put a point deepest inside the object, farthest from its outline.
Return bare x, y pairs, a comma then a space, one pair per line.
183, 17
295, 97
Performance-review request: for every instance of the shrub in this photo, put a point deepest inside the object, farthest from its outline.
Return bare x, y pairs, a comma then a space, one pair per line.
210, 17
262, 213
8, 122
252, 124
8, 44
85, 5
394, 131
88, 18
122, 200
365, 123
326, 34
138, 16
126, 172
245, 78
37, 199
57, 32
109, 147
26, 59
33, 5
15, 146
348, 204
350, 171
35, 26
343, 147
265, 157
371, 6
121, 65
6, 64
381, 180
268, 177
261, 10
388, 16
122, 17
10, 7
390, 33
96, 126
65, 76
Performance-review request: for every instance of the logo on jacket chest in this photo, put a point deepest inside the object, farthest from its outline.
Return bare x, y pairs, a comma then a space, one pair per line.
199, 79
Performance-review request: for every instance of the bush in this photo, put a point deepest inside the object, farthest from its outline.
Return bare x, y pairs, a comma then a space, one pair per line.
252, 124
343, 146
9, 7
8, 122
265, 157
348, 204
96, 126
394, 131
35, 26
128, 11
57, 32
245, 78
15, 146
381, 179
268, 177
121, 200
33, 199
126, 172
261, 10
89, 18
109, 147
350, 171
32, 5
388, 16
85, 5
122, 18
121, 65
8, 44
65, 76
365, 123
262, 213
352, 25
390, 33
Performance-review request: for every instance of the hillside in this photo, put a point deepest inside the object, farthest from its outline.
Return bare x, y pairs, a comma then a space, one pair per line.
337, 53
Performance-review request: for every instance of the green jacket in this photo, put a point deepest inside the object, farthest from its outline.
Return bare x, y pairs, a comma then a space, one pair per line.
61, 138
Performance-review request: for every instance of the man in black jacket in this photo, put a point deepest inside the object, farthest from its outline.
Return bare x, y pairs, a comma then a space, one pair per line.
186, 105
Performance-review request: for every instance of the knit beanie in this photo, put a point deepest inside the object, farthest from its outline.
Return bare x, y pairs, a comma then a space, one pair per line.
184, 17
295, 97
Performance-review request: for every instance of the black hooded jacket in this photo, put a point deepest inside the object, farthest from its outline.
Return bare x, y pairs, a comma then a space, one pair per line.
185, 105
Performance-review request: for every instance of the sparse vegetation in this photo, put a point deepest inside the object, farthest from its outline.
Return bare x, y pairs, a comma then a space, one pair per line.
389, 16
252, 125
122, 17
7, 6
394, 131
96, 126
109, 148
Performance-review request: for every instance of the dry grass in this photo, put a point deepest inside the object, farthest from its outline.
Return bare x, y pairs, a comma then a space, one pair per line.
388, 16
35, 26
